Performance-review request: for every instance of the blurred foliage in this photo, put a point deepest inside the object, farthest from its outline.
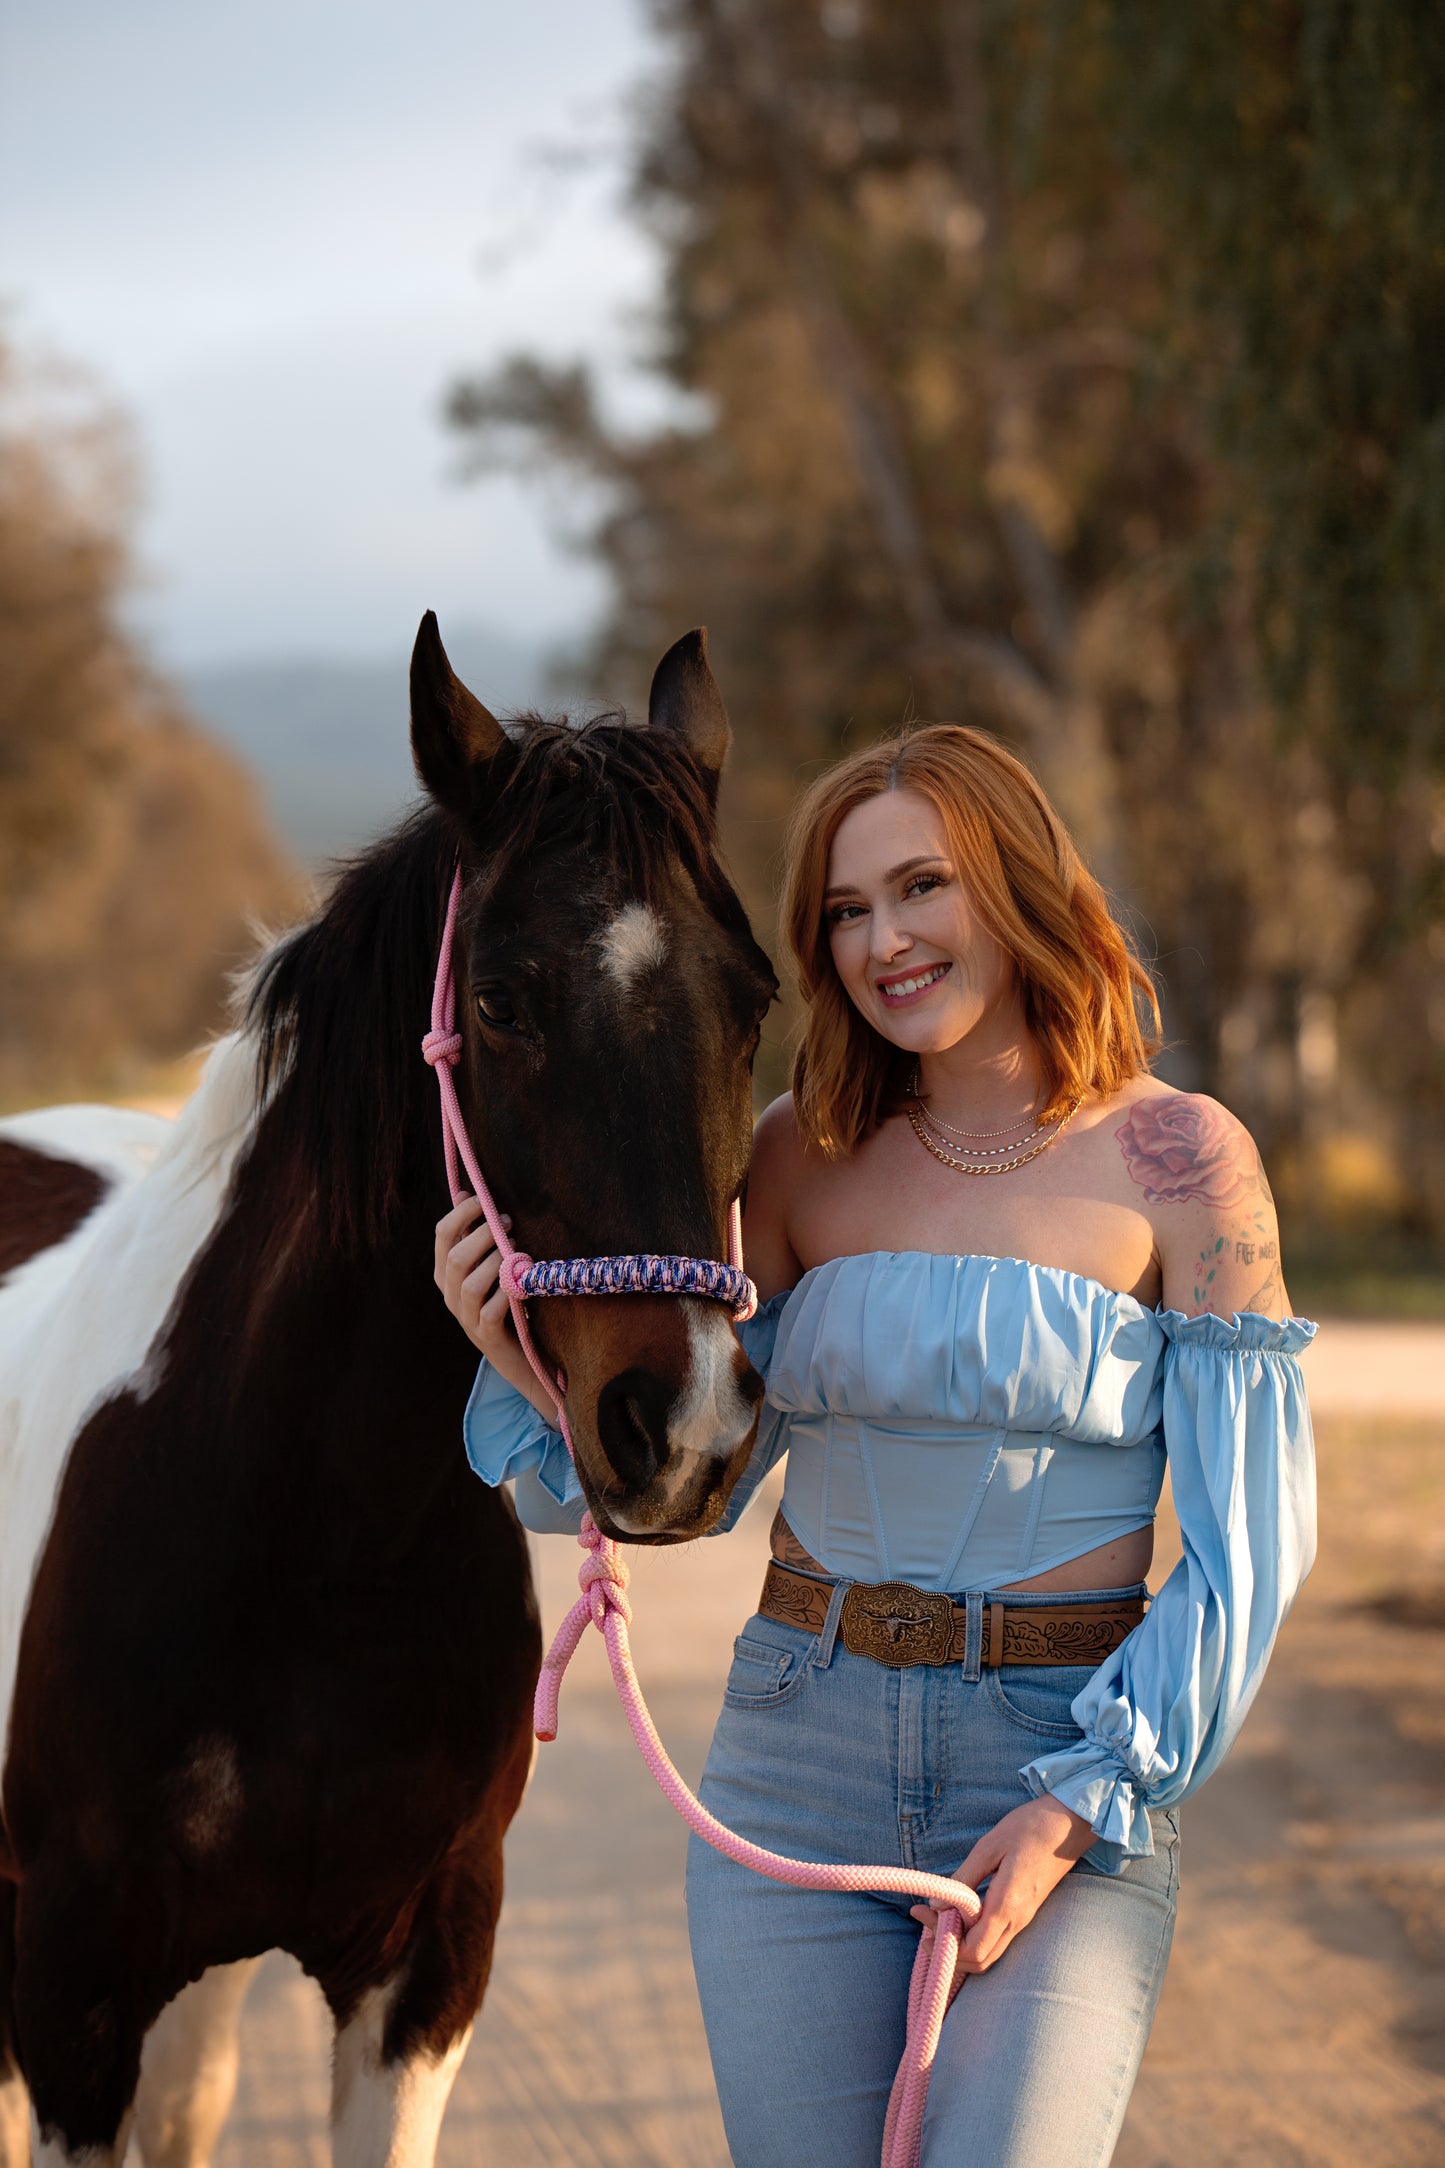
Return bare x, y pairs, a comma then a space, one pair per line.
1294, 159
133, 852
1019, 384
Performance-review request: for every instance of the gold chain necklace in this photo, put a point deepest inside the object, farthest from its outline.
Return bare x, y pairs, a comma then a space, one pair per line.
1025, 1126
982, 1151
1004, 1166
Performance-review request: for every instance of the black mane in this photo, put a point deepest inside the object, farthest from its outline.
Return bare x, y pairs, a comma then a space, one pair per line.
339, 1007
338, 1010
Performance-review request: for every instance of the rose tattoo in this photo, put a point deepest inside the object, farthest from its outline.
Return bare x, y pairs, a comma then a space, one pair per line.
1182, 1150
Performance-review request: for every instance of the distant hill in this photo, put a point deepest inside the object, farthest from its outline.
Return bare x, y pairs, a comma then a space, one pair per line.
328, 739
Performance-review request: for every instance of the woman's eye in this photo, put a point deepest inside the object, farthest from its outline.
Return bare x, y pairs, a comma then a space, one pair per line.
922, 883
843, 913
494, 1008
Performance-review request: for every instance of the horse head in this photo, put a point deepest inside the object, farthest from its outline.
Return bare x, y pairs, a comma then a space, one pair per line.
610, 998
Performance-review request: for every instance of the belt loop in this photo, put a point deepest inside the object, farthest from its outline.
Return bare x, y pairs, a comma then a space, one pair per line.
828, 1637
995, 1635
972, 1635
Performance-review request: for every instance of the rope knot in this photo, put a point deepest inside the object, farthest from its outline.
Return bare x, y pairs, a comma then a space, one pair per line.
515, 1267
603, 1576
442, 1046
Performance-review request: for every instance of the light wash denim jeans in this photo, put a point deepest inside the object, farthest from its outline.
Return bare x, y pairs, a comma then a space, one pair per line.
827, 1755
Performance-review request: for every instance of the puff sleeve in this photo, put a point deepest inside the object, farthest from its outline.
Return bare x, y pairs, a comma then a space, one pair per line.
509, 1440
1161, 1713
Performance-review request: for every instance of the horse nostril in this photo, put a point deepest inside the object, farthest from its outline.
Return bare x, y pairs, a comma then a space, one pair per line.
632, 1413
751, 1388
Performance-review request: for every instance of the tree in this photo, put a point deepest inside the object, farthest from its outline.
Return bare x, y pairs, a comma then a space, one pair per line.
1293, 159
949, 442
133, 851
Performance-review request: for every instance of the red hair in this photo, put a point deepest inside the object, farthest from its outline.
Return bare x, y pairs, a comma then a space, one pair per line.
1090, 1005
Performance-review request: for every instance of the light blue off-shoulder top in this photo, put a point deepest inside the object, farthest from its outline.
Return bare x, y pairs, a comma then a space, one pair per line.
965, 1422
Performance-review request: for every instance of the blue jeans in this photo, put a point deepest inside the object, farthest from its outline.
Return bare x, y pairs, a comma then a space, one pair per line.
827, 1755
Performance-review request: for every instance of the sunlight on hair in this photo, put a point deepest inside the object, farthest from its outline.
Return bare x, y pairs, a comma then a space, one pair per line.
1089, 1003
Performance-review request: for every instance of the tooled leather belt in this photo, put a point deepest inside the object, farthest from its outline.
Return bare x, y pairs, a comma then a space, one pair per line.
898, 1625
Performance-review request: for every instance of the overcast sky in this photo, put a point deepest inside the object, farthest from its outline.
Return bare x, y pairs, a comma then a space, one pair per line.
275, 229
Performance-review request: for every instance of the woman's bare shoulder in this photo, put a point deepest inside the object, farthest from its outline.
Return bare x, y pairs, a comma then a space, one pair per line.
1184, 1147
777, 1125
1203, 1185
779, 1155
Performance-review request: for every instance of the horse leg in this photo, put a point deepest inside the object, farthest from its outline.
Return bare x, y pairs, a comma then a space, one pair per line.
189, 2065
387, 2106
85, 1993
14, 2099
399, 2046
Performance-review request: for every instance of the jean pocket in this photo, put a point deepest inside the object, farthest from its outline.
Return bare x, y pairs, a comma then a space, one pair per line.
763, 1676
1037, 1697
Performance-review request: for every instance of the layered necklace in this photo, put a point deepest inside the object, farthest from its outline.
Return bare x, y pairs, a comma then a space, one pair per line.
974, 1151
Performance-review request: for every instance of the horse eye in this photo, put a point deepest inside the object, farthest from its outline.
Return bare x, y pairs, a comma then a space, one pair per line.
493, 1007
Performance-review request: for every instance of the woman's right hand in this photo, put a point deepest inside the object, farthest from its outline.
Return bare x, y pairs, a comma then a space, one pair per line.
468, 1271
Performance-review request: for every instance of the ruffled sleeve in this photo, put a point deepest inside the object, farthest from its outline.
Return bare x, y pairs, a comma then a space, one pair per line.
1161, 1713
508, 1439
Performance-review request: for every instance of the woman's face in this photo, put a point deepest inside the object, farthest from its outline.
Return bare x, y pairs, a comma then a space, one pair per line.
907, 945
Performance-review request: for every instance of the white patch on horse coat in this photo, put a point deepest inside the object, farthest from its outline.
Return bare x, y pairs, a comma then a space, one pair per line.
78, 1321
710, 1417
189, 2068
14, 2122
386, 2115
120, 1143
54, 2153
208, 1796
635, 942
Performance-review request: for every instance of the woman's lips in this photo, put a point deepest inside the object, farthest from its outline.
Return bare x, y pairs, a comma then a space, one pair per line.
910, 986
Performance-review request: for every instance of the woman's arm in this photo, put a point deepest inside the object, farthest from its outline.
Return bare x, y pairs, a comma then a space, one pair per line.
1208, 1198
1160, 1714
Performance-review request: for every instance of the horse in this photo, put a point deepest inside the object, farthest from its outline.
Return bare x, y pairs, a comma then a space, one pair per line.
267, 1648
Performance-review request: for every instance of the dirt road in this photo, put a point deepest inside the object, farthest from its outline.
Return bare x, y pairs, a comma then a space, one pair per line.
1303, 2024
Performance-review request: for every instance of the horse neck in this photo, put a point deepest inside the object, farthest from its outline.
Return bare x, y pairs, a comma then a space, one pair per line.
352, 1357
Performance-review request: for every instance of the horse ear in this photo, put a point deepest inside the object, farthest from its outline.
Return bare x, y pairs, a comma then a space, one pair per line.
685, 698
451, 732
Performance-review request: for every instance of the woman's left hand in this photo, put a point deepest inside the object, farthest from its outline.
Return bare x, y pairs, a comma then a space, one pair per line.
1028, 1853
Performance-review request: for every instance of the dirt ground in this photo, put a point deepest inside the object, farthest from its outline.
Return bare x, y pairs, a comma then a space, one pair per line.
1303, 2023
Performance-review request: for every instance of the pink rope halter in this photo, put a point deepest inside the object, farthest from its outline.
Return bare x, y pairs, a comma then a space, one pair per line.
603, 1576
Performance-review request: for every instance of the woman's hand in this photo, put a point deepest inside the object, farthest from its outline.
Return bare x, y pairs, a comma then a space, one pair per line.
1028, 1853
468, 1272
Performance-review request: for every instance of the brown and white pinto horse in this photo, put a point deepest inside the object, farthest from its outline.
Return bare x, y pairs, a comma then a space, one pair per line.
267, 1647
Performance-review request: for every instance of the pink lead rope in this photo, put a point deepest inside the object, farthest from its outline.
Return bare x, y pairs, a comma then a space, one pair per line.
603, 1575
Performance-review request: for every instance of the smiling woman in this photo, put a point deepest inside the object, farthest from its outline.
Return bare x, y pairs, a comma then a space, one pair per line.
976, 1384
884, 837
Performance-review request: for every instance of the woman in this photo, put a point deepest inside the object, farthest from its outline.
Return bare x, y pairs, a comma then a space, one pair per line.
1004, 1272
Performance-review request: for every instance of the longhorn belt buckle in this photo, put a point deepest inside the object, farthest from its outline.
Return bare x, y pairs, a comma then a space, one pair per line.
896, 1624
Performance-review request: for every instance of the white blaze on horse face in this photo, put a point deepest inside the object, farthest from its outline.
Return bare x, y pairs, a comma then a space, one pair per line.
632, 945
709, 1419
387, 2115
78, 1321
